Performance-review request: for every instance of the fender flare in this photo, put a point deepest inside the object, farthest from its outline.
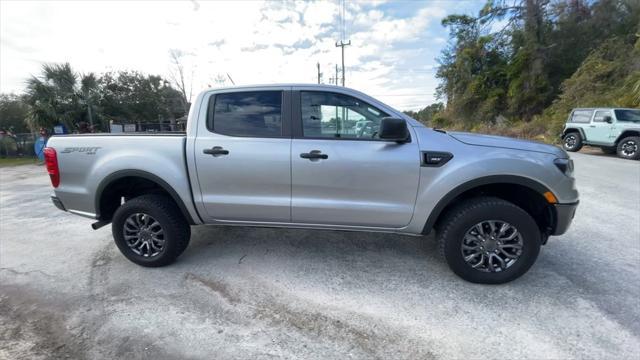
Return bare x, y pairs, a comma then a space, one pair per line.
486, 180
571, 129
109, 179
626, 132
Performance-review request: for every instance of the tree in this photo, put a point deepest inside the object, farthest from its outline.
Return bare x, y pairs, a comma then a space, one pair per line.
472, 71
133, 97
89, 95
427, 114
52, 97
13, 113
179, 78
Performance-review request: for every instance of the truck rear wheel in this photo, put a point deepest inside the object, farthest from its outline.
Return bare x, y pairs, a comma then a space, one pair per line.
488, 240
629, 148
572, 141
150, 231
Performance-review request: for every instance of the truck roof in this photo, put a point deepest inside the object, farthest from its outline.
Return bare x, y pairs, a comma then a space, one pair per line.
253, 86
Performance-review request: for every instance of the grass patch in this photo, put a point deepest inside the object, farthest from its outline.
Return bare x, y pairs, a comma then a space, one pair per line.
4, 162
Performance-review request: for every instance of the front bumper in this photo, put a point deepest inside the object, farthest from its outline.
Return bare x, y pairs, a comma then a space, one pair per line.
564, 216
57, 203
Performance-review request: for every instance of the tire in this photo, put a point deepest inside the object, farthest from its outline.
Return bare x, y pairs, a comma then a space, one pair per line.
572, 141
609, 150
629, 148
153, 219
461, 222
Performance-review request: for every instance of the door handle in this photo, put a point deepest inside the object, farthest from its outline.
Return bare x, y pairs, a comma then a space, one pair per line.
216, 151
592, 126
314, 154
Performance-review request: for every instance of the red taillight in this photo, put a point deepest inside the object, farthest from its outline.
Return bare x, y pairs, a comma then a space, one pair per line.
51, 161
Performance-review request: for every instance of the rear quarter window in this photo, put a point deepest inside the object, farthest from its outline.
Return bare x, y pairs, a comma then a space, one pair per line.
628, 115
581, 116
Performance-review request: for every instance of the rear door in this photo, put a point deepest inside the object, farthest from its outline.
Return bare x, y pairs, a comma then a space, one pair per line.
342, 173
242, 156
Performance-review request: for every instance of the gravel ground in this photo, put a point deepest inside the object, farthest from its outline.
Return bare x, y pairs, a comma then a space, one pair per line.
236, 293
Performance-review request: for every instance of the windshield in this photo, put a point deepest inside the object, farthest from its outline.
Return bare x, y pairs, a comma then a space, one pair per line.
628, 115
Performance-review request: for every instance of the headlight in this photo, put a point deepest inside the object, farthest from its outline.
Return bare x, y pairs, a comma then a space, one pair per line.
565, 165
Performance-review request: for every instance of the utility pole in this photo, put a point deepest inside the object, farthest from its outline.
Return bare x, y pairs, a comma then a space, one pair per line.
319, 74
342, 44
336, 78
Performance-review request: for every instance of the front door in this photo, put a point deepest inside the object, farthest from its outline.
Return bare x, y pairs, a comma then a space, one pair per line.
342, 173
600, 131
243, 157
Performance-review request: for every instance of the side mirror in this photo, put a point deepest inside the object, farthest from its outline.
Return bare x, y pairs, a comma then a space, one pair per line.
608, 119
393, 129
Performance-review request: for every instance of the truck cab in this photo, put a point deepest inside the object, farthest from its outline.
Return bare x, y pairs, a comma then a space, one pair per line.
614, 130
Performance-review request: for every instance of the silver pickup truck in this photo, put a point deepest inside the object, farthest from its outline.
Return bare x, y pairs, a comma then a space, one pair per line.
318, 157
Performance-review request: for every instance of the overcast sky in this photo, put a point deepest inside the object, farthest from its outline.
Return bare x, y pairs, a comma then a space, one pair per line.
392, 56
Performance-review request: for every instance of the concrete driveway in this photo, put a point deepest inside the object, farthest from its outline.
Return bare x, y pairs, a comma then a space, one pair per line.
65, 290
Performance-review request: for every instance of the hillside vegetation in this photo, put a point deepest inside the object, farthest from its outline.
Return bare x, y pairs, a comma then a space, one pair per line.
519, 67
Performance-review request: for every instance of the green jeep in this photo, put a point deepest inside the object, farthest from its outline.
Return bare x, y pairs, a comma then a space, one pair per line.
614, 130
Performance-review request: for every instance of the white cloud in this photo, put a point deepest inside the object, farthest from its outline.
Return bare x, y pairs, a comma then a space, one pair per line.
255, 42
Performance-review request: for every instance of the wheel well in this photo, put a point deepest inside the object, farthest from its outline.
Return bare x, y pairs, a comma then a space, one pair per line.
570, 130
528, 199
627, 133
126, 188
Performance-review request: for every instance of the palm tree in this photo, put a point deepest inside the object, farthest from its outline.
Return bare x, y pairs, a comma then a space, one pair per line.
54, 97
89, 94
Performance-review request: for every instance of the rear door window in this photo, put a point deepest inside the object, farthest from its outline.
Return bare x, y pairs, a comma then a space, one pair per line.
581, 116
247, 114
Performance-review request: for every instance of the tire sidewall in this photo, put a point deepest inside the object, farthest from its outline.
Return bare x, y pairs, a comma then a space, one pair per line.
515, 216
622, 142
578, 143
171, 246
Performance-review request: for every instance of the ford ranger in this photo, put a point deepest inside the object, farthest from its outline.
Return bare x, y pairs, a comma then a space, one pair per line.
318, 157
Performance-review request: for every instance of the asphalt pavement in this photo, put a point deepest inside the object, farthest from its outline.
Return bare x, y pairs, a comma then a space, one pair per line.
240, 293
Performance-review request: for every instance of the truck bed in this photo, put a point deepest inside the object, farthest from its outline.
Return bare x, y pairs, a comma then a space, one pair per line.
83, 158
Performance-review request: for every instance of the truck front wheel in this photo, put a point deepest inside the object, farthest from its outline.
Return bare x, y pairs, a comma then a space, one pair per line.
488, 240
150, 231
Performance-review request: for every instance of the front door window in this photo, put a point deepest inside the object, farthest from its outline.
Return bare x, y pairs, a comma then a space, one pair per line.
337, 116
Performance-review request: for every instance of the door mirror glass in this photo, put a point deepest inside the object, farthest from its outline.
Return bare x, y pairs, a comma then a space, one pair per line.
393, 129
608, 119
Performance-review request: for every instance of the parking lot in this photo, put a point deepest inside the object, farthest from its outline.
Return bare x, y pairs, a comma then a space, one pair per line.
240, 293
